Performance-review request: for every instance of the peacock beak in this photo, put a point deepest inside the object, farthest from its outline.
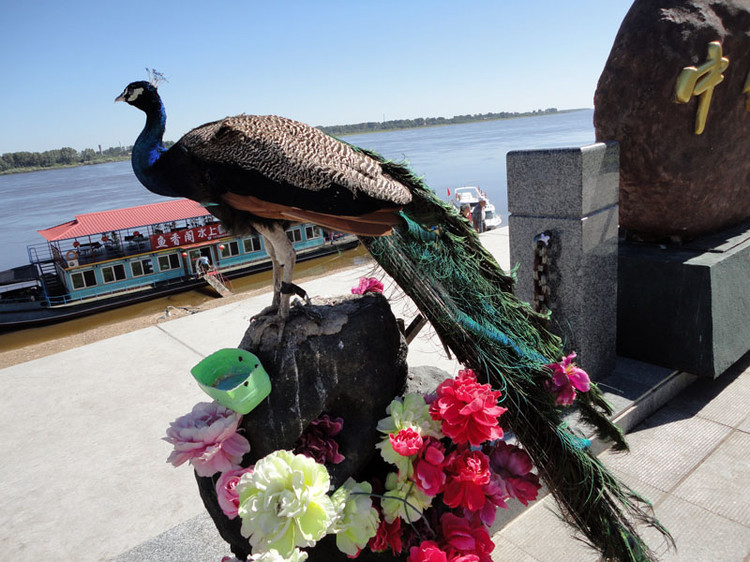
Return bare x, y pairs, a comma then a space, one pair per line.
121, 97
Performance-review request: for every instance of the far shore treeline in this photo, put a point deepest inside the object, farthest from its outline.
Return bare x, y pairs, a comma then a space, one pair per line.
16, 162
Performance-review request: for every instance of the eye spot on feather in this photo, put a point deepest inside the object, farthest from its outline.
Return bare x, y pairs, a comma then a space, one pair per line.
135, 94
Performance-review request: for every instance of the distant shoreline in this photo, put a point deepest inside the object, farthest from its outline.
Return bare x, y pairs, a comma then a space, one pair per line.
341, 131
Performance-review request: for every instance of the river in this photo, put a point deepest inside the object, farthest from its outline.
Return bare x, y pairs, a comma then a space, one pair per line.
447, 156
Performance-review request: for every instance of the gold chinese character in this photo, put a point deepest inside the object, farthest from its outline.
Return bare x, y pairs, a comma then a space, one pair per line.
701, 81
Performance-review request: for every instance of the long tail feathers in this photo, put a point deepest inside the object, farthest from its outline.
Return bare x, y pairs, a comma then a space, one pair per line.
437, 259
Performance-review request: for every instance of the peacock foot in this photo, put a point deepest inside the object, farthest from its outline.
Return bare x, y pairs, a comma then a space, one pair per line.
264, 326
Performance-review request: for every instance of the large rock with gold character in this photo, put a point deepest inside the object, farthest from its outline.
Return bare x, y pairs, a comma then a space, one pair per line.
675, 92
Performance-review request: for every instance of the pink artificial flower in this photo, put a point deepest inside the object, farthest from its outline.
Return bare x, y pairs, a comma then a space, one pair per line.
468, 474
495, 494
388, 535
368, 285
464, 558
427, 551
318, 443
406, 442
468, 410
513, 465
226, 491
462, 537
566, 378
429, 467
208, 438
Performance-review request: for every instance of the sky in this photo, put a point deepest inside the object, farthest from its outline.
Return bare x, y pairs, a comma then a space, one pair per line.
318, 61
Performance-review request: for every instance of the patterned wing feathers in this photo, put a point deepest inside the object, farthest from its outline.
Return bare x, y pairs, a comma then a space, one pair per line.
290, 152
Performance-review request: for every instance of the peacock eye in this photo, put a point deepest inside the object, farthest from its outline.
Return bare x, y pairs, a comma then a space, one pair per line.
134, 94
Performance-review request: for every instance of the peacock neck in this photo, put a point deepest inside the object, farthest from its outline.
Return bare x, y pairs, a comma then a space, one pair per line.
149, 146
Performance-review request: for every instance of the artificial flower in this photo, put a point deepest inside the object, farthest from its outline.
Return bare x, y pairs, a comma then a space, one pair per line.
357, 520
207, 437
388, 535
462, 537
468, 473
429, 467
513, 465
297, 555
226, 491
406, 442
368, 285
427, 551
317, 441
567, 377
403, 499
284, 503
468, 410
409, 412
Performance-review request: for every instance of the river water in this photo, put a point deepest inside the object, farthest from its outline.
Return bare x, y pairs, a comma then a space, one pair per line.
448, 156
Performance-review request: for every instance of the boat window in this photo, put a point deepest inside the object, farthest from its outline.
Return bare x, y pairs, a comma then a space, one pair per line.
170, 261
251, 244
83, 279
313, 231
113, 273
141, 267
295, 234
230, 249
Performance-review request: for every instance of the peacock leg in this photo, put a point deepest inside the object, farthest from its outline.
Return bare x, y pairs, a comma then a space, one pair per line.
282, 254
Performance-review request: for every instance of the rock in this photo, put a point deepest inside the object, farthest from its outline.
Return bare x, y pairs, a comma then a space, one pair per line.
345, 357
673, 182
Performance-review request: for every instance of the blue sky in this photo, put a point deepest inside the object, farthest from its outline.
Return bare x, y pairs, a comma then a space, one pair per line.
321, 62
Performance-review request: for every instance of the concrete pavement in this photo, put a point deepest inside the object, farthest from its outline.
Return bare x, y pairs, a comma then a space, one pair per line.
84, 475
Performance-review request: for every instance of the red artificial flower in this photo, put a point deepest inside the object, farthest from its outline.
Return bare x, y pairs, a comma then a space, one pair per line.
567, 377
367, 285
427, 551
468, 410
388, 535
318, 443
406, 442
429, 467
513, 465
468, 474
462, 537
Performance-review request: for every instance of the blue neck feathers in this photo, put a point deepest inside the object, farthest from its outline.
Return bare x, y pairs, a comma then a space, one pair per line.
149, 148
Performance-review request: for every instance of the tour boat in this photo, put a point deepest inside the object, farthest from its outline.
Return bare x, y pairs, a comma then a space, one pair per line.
471, 195
113, 258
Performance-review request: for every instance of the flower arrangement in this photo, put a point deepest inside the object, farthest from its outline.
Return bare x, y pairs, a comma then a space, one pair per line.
447, 471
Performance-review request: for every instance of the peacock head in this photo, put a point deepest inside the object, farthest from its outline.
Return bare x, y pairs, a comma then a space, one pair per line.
142, 95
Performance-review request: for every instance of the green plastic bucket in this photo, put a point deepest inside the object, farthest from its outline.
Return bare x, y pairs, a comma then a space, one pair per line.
234, 378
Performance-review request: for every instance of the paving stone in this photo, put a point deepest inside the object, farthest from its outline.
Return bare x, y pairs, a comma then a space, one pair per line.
666, 447
506, 550
709, 401
542, 534
720, 484
701, 536
195, 540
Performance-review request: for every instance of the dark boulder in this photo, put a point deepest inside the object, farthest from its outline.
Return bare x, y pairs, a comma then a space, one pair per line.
674, 182
345, 357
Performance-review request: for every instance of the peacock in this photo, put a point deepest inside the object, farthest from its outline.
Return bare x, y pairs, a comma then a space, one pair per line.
263, 173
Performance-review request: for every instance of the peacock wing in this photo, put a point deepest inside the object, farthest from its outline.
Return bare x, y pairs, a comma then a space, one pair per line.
291, 153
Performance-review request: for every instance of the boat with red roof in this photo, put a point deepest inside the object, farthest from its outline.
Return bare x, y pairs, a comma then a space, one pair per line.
102, 260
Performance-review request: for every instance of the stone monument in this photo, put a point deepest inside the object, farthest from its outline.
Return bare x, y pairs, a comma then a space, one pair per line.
675, 93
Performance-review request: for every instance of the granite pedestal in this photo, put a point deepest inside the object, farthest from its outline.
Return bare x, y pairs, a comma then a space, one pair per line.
686, 307
570, 195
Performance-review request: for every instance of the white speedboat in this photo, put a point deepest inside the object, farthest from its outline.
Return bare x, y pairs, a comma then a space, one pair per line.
471, 195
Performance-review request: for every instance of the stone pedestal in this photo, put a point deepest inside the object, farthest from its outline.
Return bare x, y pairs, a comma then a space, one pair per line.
571, 196
687, 307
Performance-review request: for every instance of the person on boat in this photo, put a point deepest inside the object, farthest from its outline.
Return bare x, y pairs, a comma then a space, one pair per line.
477, 215
466, 212
202, 265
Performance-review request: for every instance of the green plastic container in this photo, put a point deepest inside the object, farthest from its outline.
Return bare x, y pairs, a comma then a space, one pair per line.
234, 378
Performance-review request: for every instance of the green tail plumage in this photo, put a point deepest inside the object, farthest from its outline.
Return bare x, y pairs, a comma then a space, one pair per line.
437, 259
